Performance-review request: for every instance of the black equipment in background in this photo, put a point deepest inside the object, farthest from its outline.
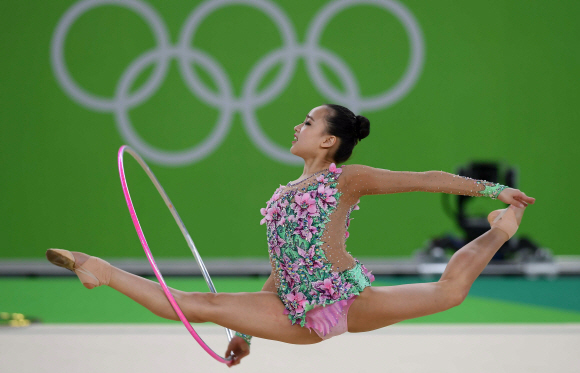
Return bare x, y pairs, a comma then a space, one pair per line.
519, 249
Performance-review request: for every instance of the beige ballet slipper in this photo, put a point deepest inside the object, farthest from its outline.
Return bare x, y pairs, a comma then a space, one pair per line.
504, 219
94, 272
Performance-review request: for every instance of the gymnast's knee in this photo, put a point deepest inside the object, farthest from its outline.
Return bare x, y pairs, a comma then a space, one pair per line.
452, 293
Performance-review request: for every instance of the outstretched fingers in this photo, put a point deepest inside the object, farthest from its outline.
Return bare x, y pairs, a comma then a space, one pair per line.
523, 198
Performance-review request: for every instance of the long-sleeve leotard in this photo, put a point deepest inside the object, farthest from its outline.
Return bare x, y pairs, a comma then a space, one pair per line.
365, 180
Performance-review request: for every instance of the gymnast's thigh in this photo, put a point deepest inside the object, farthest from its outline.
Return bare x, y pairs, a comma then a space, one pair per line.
380, 306
260, 314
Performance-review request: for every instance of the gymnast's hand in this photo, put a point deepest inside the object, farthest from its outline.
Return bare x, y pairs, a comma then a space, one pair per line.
240, 348
515, 197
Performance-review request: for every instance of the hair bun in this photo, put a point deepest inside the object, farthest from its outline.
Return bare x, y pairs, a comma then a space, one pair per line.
363, 126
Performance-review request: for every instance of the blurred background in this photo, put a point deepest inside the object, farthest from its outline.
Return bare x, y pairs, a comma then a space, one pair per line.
208, 92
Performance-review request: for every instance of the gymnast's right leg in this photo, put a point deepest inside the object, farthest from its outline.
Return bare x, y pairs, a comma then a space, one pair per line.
260, 314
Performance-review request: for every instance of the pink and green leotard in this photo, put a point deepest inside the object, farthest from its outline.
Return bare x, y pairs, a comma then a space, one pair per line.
307, 228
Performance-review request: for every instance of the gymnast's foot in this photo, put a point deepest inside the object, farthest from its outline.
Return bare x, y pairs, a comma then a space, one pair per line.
508, 220
92, 271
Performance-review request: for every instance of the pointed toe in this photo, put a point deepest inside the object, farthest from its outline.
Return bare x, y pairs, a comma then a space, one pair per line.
505, 220
92, 273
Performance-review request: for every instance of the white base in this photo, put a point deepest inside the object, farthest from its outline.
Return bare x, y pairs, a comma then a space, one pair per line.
486, 348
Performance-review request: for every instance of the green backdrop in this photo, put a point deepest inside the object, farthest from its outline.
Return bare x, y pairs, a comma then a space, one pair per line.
498, 81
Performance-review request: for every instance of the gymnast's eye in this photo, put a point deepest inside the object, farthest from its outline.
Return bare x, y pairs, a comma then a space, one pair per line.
308, 123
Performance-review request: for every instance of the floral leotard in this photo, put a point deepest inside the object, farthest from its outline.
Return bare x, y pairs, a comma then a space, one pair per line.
307, 227
299, 252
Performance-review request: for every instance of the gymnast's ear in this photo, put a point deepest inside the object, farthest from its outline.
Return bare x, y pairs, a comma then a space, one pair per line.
329, 141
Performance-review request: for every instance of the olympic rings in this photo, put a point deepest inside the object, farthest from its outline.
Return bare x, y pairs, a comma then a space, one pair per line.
224, 100
190, 243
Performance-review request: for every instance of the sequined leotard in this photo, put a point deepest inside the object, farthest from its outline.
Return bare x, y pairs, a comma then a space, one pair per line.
307, 227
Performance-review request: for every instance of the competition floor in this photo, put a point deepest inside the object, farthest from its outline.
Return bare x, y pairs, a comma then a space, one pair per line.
505, 325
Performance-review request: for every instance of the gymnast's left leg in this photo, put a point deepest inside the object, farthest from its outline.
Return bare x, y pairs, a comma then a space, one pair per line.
259, 314
380, 306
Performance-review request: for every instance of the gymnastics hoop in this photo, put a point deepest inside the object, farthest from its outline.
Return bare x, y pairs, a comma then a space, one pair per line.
188, 239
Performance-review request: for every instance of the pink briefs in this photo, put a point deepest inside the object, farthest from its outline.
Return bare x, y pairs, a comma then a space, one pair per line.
331, 320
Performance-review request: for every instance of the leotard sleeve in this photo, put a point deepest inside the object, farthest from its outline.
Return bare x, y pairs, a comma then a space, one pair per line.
365, 180
245, 337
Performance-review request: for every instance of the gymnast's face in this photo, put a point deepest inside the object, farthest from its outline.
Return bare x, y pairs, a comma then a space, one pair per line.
310, 136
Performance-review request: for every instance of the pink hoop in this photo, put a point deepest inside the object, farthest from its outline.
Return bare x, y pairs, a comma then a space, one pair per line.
182, 317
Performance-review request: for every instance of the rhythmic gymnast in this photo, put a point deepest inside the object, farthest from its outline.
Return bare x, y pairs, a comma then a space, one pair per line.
315, 283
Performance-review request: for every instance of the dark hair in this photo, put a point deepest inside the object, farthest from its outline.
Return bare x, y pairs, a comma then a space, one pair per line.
350, 128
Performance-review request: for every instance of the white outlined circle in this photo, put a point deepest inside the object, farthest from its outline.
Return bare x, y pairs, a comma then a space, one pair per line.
59, 65
225, 100
411, 74
187, 156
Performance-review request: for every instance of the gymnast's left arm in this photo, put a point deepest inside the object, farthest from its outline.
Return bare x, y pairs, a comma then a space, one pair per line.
240, 343
366, 180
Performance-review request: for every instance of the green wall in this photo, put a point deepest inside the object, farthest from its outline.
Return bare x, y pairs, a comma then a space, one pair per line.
499, 81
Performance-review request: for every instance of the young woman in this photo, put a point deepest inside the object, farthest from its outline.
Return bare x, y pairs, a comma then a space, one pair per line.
315, 283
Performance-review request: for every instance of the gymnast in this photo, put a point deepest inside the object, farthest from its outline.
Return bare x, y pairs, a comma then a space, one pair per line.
315, 283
